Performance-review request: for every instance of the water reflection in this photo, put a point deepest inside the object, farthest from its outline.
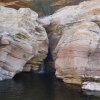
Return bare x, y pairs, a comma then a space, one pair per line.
39, 87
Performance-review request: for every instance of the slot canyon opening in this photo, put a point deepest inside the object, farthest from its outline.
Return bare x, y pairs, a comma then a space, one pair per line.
47, 66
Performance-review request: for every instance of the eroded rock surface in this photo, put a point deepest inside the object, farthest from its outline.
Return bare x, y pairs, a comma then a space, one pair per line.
62, 3
78, 53
15, 3
74, 33
42, 7
22, 38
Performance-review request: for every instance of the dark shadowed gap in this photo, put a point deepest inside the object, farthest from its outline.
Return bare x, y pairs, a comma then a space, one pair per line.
49, 63
43, 7
47, 66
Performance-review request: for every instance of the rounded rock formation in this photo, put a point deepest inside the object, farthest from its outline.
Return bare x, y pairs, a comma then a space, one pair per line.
21, 38
74, 34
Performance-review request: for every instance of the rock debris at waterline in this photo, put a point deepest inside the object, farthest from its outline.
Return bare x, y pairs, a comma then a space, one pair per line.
91, 86
22, 40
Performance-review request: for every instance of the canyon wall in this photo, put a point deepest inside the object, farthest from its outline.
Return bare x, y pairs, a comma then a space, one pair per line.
42, 7
15, 3
74, 34
23, 41
62, 3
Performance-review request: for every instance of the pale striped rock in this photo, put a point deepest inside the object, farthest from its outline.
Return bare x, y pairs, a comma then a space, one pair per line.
22, 39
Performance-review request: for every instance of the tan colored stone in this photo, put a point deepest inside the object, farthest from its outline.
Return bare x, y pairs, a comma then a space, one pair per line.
82, 51
21, 38
74, 34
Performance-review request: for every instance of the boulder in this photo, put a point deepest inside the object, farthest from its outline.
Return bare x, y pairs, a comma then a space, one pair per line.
74, 34
78, 53
22, 39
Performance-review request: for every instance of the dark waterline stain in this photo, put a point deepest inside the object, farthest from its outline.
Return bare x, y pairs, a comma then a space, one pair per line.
29, 86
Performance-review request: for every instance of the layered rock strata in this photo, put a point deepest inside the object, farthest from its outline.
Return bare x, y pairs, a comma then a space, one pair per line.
22, 39
62, 3
15, 3
74, 33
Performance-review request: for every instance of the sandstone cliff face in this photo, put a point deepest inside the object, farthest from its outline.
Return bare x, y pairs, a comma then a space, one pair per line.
62, 3
74, 33
22, 38
42, 7
15, 3
78, 53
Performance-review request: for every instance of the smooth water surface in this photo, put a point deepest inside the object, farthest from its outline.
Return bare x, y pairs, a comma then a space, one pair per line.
28, 86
